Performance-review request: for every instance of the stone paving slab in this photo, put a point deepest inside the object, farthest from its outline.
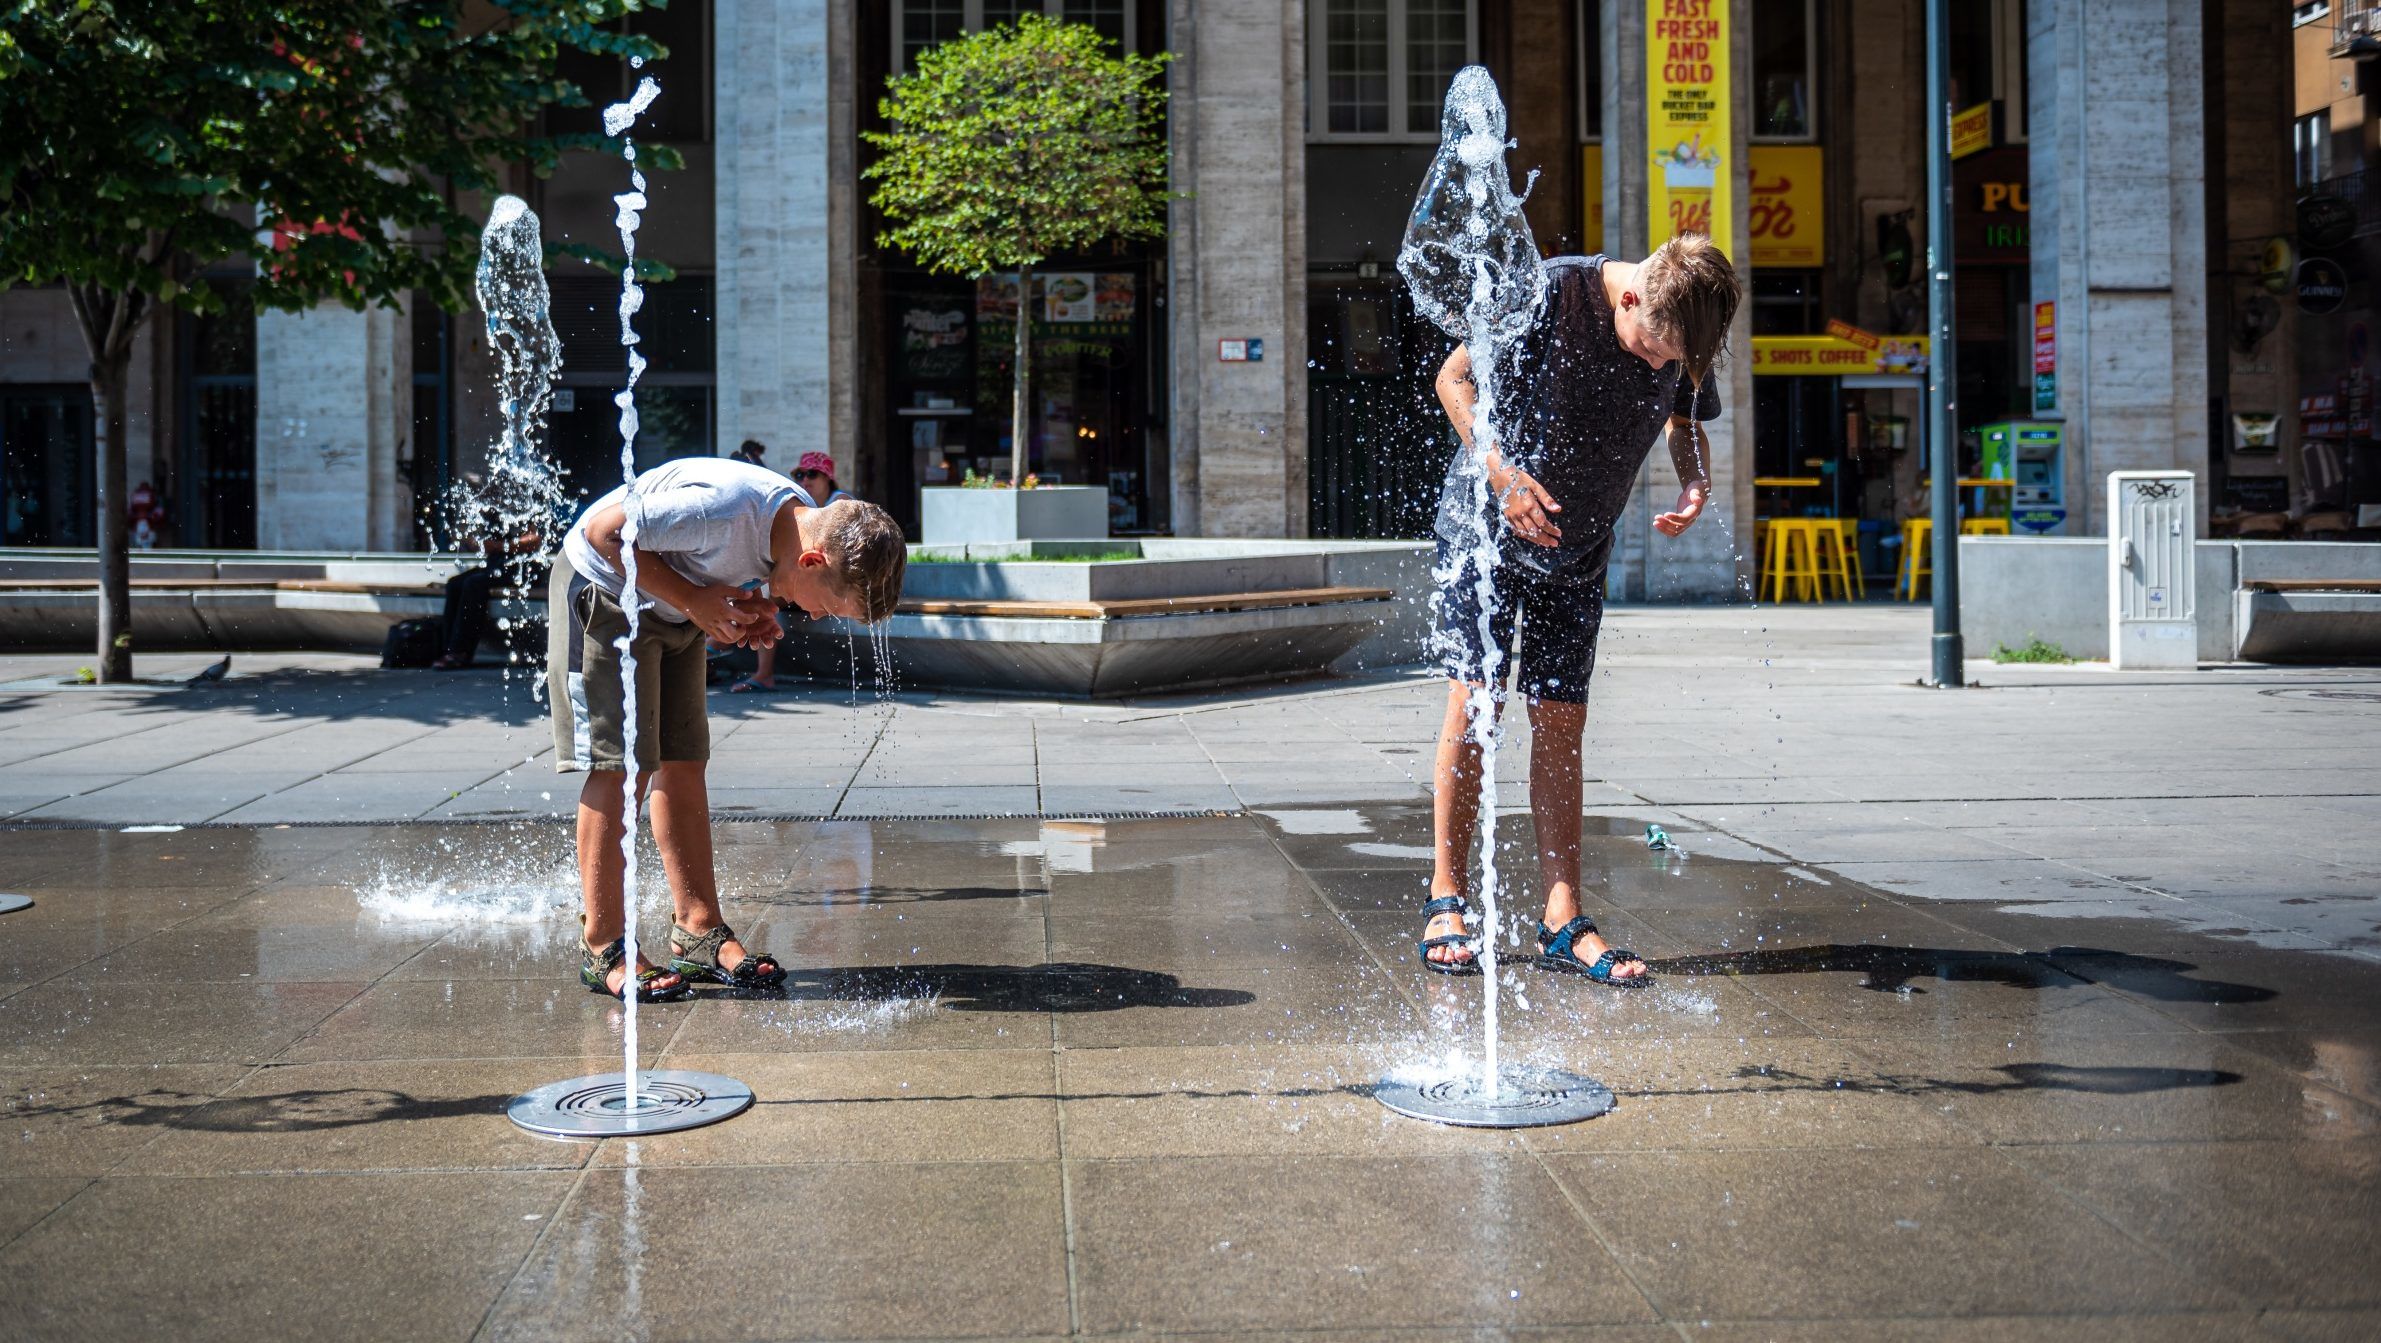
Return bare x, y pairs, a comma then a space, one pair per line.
1034, 1077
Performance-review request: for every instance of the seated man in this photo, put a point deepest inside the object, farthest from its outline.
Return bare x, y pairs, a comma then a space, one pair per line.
463, 622
703, 528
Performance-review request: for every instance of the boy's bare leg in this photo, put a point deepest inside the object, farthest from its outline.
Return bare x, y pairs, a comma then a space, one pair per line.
1454, 811
600, 867
1554, 802
681, 805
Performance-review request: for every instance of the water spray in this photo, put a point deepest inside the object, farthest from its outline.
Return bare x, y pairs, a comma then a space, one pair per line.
1472, 268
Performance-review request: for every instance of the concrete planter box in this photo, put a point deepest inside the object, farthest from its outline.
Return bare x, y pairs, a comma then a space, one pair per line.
954, 516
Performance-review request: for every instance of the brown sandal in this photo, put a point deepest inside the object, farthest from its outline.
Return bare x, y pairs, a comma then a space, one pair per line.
696, 956
595, 971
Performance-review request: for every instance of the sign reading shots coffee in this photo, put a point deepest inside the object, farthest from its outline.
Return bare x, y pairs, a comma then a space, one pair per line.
2324, 222
1688, 126
2321, 285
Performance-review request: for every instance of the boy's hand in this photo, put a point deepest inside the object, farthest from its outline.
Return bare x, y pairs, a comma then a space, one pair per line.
725, 614
1690, 507
1529, 509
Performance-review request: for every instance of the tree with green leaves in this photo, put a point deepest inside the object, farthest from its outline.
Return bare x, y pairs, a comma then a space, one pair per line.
323, 142
1015, 144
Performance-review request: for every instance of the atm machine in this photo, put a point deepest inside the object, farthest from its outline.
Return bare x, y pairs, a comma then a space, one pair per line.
2030, 455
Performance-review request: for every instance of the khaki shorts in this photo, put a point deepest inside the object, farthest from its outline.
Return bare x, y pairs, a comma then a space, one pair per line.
583, 680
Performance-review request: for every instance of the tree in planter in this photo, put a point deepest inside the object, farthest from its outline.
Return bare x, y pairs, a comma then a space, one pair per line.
323, 142
1015, 144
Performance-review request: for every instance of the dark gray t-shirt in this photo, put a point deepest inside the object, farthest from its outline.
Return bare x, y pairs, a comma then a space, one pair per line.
1579, 413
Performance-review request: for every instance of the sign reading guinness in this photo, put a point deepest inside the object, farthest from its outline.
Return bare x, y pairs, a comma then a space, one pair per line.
2322, 285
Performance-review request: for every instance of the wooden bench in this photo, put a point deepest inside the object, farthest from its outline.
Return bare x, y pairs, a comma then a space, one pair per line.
2313, 585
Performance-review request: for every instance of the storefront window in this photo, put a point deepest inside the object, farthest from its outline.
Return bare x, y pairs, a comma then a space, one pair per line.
1783, 69
47, 466
1380, 68
919, 25
674, 397
216, 479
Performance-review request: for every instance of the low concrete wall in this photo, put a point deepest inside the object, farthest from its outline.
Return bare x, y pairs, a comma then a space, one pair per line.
2055, 588
214, 617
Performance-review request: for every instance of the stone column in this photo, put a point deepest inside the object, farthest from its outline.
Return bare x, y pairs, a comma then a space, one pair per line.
2115, 111
1714, 560
786, 159
1237, 257
334, 412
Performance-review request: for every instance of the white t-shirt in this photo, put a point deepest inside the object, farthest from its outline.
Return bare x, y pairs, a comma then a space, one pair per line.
707, 517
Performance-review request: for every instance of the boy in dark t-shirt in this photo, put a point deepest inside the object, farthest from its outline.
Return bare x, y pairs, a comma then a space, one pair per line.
1620, 353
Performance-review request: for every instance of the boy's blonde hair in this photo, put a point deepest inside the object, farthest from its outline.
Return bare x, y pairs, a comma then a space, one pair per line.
868, 554
1691, 292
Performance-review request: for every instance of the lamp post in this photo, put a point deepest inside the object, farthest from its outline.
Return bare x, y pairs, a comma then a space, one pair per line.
1942, 370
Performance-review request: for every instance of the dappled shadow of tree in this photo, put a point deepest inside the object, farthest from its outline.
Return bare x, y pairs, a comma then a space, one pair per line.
304, 1110
1890, 969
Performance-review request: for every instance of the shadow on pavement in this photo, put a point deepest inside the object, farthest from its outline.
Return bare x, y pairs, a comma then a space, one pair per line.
1890, 969
1066, 988
864, 896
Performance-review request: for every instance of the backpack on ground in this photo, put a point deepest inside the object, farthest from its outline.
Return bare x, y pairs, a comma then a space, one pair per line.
411, 643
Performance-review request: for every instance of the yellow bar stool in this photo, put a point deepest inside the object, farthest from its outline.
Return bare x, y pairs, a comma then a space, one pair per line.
1917, 561
1790, 560
1832, 575
1984, 527
1842, 537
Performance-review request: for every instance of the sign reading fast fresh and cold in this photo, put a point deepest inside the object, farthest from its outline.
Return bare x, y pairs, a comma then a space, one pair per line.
1688, 122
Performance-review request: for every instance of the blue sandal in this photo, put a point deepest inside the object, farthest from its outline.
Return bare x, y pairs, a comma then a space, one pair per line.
1450, 904
1554, 953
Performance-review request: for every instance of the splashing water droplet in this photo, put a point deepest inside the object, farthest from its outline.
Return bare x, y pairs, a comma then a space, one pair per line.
1472, 267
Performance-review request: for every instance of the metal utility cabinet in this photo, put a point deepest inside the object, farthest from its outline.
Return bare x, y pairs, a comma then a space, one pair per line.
2152, 520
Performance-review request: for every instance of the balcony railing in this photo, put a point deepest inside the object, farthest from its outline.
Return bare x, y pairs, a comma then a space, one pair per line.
2363, 194
2353, 19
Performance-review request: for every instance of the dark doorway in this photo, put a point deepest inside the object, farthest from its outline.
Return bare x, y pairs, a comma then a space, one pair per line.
48, 456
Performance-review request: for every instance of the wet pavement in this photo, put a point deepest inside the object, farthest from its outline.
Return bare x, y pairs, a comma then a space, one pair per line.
1039, 1077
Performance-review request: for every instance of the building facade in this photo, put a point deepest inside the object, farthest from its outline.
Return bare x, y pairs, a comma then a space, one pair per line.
2132, 250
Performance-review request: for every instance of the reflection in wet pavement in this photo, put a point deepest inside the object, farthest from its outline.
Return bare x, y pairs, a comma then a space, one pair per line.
1032, 1077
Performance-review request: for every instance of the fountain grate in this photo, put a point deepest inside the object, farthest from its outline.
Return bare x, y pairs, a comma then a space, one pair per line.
10, 904
588, 1108
1531, 1098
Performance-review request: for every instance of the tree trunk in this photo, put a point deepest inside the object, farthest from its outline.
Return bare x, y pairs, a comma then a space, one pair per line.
108, 375
1017, 412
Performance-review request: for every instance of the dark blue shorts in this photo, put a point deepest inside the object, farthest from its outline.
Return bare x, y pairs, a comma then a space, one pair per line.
1557, 619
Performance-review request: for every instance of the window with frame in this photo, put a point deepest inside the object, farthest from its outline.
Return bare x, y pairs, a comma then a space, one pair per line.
2311, 148
1988, 62
1379, 69
919, 25
1785, 69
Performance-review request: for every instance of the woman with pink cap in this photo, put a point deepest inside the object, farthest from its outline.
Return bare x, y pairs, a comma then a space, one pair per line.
814, 475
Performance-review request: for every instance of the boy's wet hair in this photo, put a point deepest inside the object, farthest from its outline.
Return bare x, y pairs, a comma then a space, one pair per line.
869, 555
1691, 292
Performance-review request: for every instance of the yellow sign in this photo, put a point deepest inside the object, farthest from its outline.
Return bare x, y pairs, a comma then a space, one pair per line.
1971, 130
1833, 356
1688, 123
1591, 198
1789, 209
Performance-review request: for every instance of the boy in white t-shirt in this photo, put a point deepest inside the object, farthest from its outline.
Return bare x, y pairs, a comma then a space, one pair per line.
703, 528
